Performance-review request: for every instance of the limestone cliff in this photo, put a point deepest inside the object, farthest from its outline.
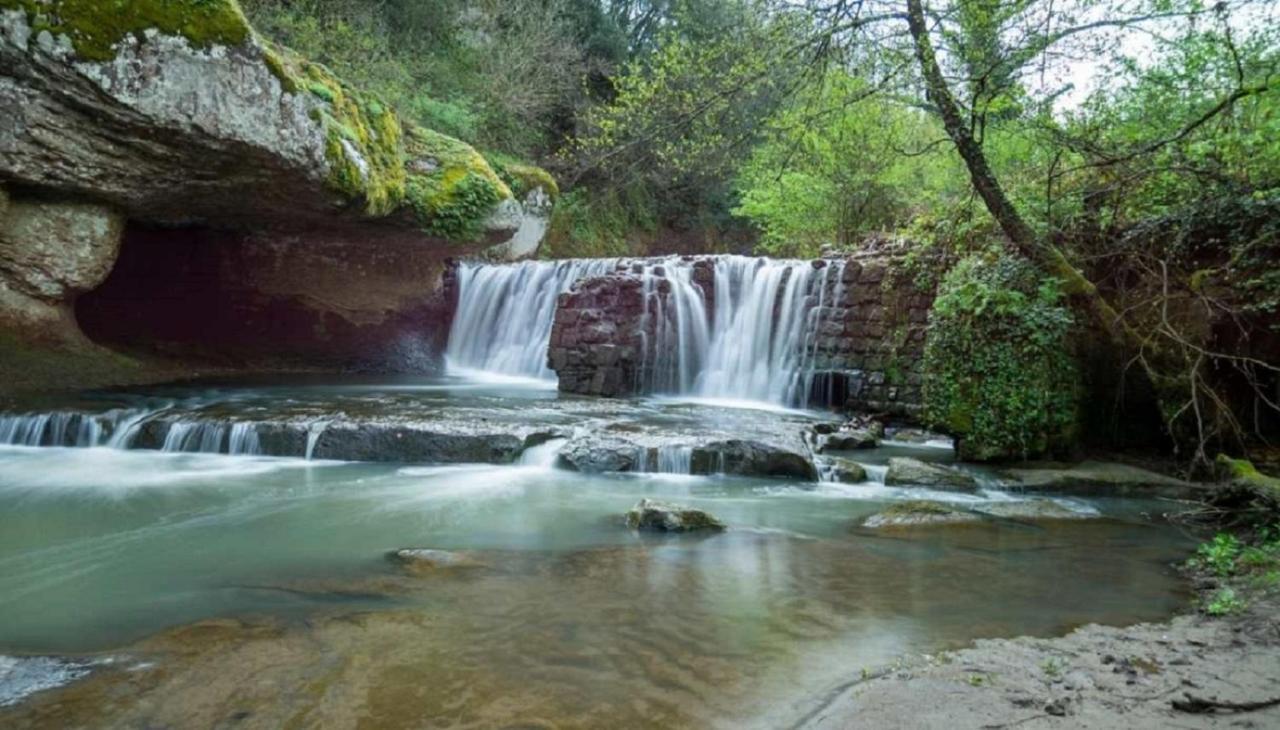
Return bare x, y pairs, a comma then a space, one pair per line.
121, 121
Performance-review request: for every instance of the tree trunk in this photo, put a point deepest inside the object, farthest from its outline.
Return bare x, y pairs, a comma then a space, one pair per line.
1036, 248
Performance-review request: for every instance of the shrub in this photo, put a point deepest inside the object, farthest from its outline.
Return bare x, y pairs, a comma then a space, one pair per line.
998, 374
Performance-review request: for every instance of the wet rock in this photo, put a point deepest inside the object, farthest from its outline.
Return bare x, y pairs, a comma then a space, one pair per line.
595, 453
843, 470
421, 561
426, 443
1033, 509
656, 516
848, 441
752, 458
915, 473
1096, 478
913, 435
918, 513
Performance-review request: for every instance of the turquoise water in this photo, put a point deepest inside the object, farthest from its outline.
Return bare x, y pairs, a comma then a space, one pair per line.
100, 548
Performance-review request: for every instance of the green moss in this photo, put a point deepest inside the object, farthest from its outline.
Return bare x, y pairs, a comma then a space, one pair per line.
1242, 471
364, 143
451, 187
522, 178
917, 507
96, 26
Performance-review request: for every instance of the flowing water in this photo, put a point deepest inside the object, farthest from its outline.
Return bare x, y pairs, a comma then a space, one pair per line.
563, 618
207, 554
757, 342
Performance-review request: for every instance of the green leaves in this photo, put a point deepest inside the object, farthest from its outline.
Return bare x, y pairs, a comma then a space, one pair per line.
997, 370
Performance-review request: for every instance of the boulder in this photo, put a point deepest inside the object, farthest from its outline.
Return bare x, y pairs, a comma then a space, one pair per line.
745, 457
595, 453
906, 472
50, 252
917, 513
843, 470
848, 441
650, 515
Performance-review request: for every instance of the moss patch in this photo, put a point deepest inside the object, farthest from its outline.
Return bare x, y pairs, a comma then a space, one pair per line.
363, 138
522, 178
451, 187
1242, 471
96, 26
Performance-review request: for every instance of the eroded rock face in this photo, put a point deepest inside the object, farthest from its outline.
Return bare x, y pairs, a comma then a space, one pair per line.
50, 252
179, 117
325, 297
905, 472
654, 516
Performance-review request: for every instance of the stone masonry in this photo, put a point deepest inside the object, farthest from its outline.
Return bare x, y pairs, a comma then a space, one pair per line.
867, 352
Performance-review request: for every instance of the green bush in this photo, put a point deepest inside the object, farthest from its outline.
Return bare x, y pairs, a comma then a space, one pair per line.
998, 373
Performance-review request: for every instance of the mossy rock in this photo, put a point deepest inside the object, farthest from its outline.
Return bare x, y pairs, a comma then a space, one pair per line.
451, 187
999, 372
523, 178
654, 516
1242, 472
363, 137
917, 513
95, 27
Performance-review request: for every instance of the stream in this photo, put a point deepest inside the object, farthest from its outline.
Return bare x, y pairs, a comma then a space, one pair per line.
112, 551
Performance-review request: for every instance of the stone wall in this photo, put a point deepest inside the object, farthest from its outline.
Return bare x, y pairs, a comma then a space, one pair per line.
596, 338
868, 349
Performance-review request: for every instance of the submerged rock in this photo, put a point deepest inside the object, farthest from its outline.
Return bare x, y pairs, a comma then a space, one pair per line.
918, 513
906, 472
656, 516
1034, 509
420, 561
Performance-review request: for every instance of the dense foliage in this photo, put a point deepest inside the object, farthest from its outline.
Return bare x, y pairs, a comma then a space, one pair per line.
999, 374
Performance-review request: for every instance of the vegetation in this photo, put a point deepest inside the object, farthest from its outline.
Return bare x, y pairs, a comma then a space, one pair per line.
1246, 568
1124, 153
998, 370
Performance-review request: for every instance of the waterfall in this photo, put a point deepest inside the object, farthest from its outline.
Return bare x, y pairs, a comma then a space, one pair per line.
754, 336
244, 440
504, 316
57, 428
544, 455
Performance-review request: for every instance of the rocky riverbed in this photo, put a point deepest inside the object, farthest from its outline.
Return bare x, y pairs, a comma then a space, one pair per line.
1194, 671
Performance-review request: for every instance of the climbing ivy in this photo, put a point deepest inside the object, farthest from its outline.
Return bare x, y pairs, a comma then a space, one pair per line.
998, 374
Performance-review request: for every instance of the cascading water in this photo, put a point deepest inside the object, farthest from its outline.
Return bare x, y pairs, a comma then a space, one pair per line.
504, 316
753, 336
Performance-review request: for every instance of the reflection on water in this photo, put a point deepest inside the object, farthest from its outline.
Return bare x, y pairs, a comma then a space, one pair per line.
569, 620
